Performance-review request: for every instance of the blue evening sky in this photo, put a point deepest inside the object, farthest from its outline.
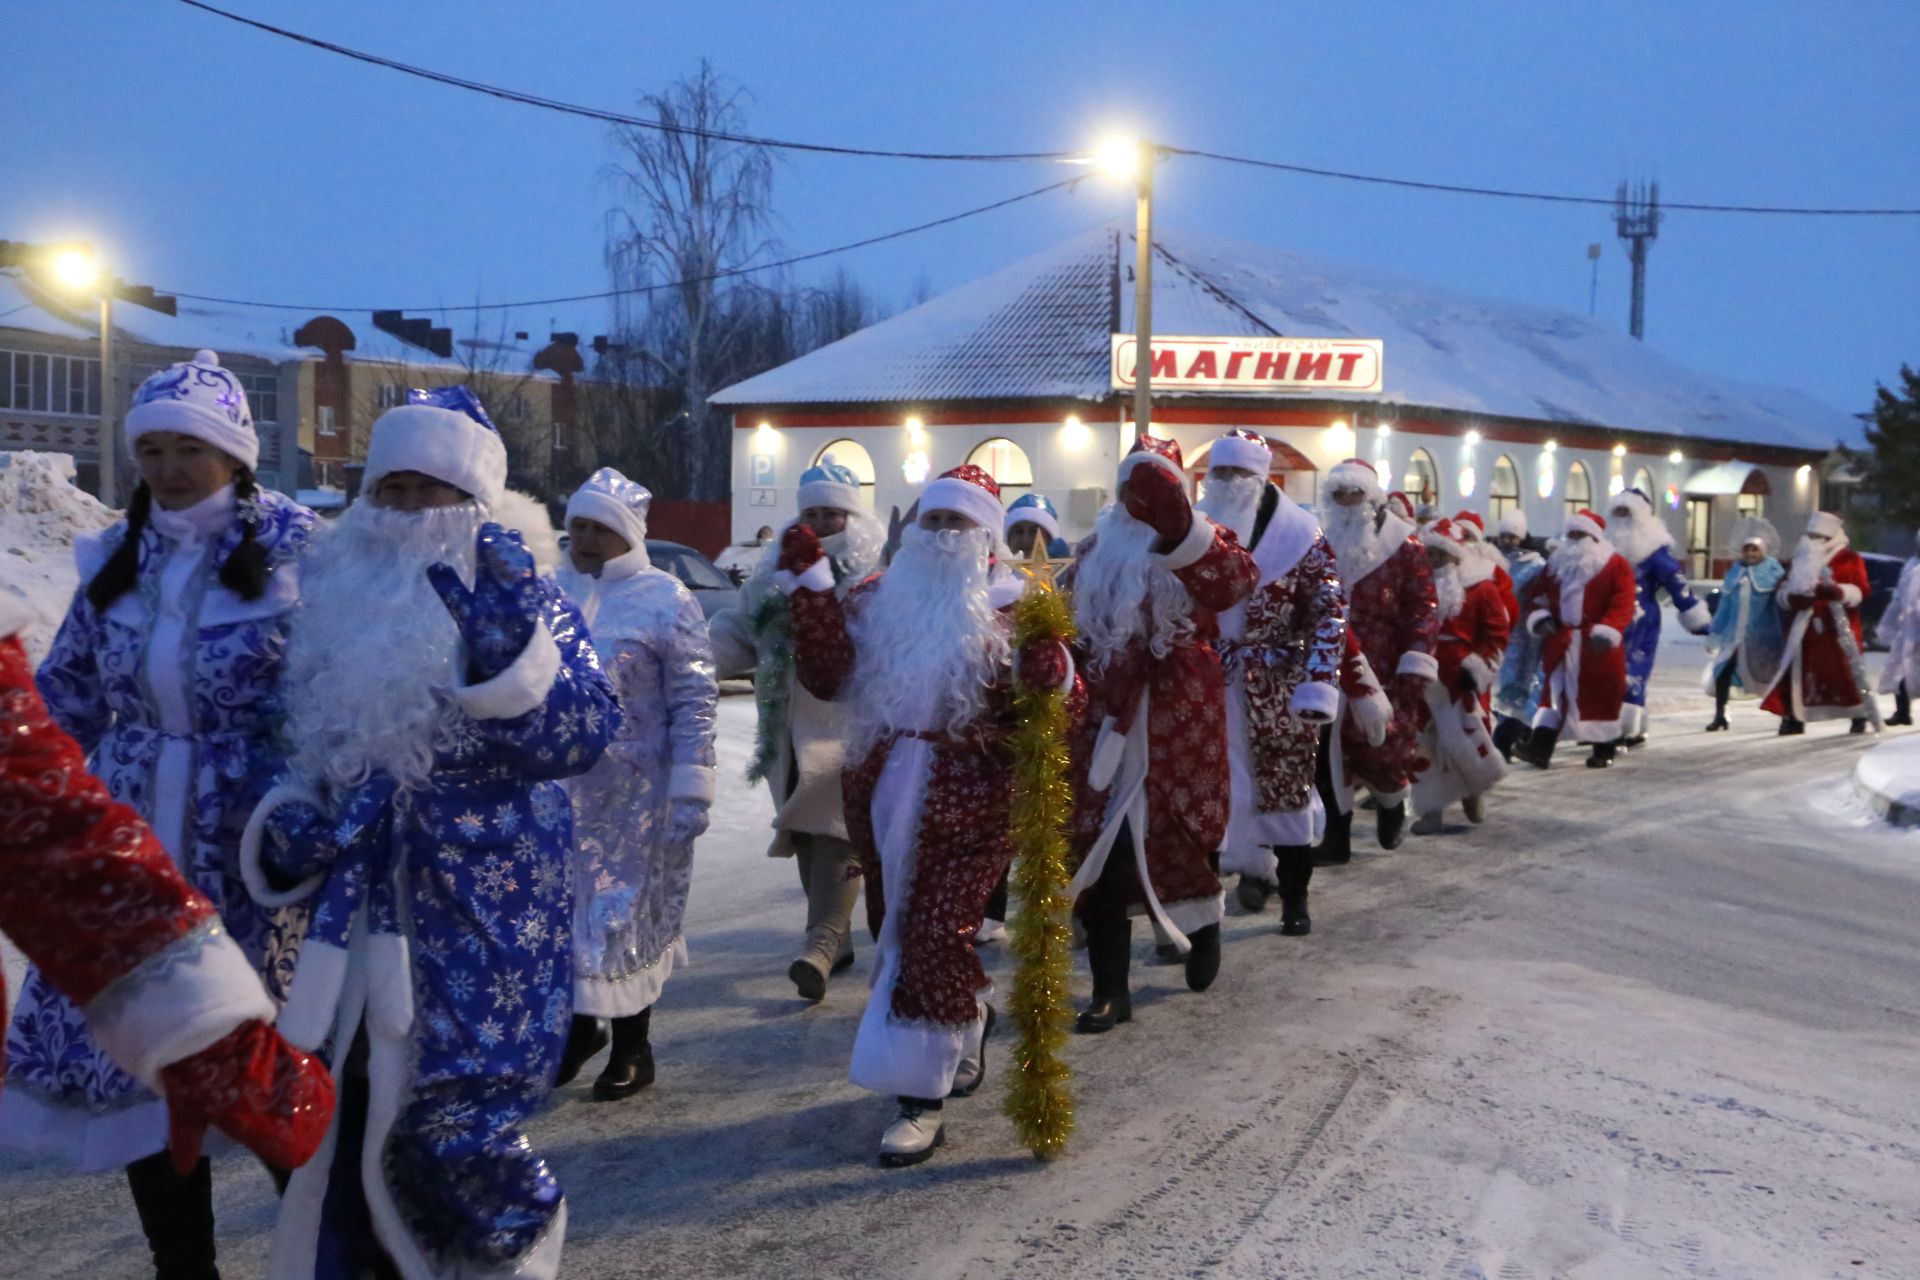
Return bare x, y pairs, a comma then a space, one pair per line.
207, 157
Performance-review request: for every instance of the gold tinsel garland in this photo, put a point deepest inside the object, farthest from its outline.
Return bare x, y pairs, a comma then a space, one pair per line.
1039, 1097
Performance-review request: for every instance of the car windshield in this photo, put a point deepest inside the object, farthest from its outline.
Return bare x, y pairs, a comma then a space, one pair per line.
688, 565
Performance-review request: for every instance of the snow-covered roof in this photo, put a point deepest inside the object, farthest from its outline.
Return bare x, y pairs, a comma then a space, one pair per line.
1723, 479
1041, 329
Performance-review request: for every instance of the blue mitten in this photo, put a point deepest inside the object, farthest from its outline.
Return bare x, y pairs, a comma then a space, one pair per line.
498, 615
299, 845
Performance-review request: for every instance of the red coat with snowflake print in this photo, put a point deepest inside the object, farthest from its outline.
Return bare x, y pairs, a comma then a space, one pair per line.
1187, 783
1393, 612
1817, 680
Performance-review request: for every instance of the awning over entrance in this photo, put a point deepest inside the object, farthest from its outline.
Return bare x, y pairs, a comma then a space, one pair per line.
1727, 478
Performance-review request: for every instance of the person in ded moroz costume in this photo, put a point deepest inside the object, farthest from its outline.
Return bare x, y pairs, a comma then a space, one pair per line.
799, 747
637, 812
1462, 762
1822, 674
1580, 607
1150, 760
1391, 612
1281, 648
1646, 542
923, 658
438, 687
165, 670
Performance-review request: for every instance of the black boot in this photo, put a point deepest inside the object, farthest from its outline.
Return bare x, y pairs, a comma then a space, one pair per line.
630, 1065
1790, 727
1203, 957
1336, 846
585, 1037
176, 1214
1538, 750
1294, 865
1393, 825
1253, 893
1109, 947
1902, 706
1859, 725
1508, 736
1719, 721
1602, 757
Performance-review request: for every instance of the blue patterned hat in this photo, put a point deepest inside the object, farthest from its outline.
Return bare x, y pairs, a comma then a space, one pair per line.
828, 484
200, 399
1031, 508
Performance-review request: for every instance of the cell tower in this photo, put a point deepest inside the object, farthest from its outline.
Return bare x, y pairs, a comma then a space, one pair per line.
1636, 217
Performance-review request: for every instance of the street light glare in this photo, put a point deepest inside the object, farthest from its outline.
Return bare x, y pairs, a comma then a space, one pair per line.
75, 269
1119, 157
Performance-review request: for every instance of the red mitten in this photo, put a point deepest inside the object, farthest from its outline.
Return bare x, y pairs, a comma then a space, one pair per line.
1156, 497
1828, 591
799, 549
1043, 665
254, 1087
1798, 600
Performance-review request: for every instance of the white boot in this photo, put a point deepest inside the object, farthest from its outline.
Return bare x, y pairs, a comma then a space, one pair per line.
1476, 807
1427, 824
972, 1071
912, 1136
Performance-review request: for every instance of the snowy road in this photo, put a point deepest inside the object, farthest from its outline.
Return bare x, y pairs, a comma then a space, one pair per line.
1658, 1021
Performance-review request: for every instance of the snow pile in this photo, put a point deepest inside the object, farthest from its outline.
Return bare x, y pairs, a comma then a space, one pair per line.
41, 513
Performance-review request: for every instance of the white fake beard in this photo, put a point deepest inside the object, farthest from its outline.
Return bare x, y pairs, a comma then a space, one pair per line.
1637, 537
1351, 532
1118, 591
1809, 563
1448, 590
1233, 504
1576, 560
372, 647
928, 640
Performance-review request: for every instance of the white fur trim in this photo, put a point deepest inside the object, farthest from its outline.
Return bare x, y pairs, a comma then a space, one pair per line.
1537, 618
602, 507
829, 493
691, 782
1108, 747
817, 576
1196, 544
1514, 522
1849, 595
313, 1001
251, 872
443, 443
1353, 475
1372, 714
1480, 669
951, 493
177, 1003
1033, 515
1825, 524
1586, 525
1190, 914
1316, 703
1547, 718
1415, 663
1238, 451
523, 686
1609, 635
1696, 616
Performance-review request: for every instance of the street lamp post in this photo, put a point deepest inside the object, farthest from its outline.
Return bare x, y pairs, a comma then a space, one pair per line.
109, 419
1143, 292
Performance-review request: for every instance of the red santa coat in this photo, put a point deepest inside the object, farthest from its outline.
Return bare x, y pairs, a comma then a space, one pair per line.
1458, 736
1392, 611
1170, 780
1821, 676
958, 820
91, 897
1585, 682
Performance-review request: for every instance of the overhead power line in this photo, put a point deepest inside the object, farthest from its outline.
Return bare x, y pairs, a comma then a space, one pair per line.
822, 148
645, 288
611, 117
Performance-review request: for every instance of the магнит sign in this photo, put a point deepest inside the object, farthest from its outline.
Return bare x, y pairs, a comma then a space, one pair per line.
1237, 366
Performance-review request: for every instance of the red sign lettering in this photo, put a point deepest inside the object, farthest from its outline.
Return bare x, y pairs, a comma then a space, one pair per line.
1312, 364
1271, 364
1204, 365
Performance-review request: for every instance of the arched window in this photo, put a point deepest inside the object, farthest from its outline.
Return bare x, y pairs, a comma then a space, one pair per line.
1579, 491
855, 458
1007, 463
1504, 494
1643, 481
1422, 480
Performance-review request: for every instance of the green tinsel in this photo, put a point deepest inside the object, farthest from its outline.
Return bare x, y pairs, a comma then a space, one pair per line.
771, 626
1040, 1097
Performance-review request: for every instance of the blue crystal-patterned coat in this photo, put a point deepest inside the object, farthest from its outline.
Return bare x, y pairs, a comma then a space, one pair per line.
630, 883
442, 934
1658, 571
1517, 694
172, 691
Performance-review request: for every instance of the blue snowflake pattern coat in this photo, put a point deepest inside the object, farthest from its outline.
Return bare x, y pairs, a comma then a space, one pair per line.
441, 926
1747, 627
1517, 695
1660, 571
172, 691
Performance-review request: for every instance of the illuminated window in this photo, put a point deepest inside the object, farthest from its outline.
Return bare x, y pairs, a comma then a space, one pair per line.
855, 458
1579, 490
1504, 495
1422, 480
1643, 481
1007, 463
1751, 504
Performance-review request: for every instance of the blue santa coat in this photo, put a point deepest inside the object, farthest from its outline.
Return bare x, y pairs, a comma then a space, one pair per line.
442, 924
1660, 571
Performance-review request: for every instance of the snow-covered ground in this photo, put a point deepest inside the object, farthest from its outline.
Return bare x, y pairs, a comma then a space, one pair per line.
41, 513
1656, 1021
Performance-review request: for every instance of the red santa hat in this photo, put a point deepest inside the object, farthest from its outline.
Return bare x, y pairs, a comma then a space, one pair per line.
1401, 505
968, 490
1587, 522
1470, 526
1154, 450
1242, 449
1356, 474
1443, 534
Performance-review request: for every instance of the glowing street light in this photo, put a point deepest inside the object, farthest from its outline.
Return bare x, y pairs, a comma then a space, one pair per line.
1119, 157
75, 269
1471, 439
1131, 160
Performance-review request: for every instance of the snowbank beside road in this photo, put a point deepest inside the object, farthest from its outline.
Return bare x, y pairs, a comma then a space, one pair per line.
41, 512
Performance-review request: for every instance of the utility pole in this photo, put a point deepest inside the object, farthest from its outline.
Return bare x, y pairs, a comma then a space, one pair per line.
1143, 293
1636, 218
1593, 281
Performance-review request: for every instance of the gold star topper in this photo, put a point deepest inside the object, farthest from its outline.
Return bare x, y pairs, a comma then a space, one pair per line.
1042, 568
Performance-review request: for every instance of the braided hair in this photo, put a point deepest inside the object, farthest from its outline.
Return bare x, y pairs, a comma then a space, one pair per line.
244, 573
